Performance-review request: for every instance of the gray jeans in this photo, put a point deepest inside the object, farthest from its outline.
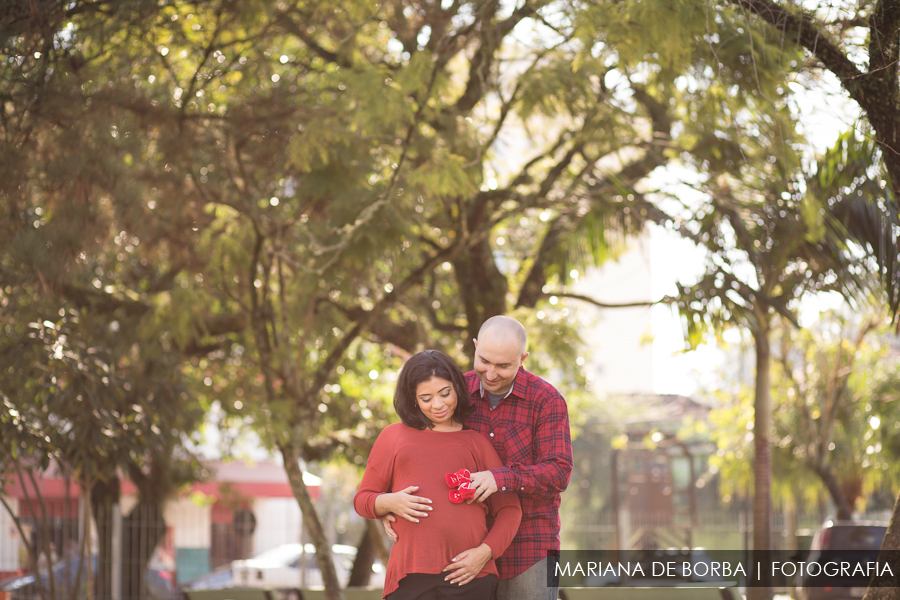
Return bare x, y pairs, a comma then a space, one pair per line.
530, 585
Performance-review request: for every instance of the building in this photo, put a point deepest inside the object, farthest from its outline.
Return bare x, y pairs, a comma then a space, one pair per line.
245, 508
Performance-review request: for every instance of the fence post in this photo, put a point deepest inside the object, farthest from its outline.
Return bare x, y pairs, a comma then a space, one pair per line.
116, 575
623, 528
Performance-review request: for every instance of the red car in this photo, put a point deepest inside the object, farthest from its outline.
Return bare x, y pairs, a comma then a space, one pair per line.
836, 542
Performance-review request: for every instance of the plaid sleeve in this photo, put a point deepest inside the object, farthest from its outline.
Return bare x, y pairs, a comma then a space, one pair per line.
505, 508
552, 455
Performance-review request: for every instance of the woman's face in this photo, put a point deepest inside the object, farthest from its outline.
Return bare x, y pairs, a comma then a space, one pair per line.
436, 398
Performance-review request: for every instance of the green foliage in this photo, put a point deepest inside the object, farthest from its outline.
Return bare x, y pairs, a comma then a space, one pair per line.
280, 198
731, 427
834, 395
772, 239
851, 180
84, 393
836, 385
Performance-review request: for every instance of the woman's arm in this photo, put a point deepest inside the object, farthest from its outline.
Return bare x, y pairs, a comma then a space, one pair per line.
374, 499
402, 504
377, 477
468, 564
507, 512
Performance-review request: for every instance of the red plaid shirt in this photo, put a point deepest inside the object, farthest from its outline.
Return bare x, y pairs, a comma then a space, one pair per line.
530, 431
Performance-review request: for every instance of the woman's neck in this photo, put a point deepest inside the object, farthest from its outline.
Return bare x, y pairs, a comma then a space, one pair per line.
448, 427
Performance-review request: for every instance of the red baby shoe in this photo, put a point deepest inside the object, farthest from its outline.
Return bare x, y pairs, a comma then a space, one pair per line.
465, 492
456, 479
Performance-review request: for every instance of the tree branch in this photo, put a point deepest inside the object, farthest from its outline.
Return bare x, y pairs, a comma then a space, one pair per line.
299, 31
481, 64
804, 30
566, 222
403, 335
884, 45
336, 354
599, 304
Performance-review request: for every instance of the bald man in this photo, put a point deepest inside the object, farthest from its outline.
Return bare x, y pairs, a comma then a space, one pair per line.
526, 420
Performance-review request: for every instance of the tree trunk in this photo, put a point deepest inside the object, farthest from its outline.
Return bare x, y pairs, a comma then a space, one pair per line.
362, 564
86, 486
483, 287
371, 546
844, 510
762, 462
142, 531
104, 494
885, 588
313, 524
378, 537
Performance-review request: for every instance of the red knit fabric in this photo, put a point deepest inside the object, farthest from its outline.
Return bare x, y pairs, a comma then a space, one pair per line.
403, 456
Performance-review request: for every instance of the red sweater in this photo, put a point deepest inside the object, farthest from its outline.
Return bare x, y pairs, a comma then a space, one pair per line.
403, 456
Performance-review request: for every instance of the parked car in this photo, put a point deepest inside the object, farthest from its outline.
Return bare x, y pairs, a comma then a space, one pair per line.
854, 541
65, 575
217, 579
294, 566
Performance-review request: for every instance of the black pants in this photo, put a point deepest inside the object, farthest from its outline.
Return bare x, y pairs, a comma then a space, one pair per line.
429, 586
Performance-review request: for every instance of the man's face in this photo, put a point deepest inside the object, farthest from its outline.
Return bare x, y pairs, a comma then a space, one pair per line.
496, 362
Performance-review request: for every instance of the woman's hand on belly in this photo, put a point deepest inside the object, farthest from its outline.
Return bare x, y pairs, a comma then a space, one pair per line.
403, 504
467, 564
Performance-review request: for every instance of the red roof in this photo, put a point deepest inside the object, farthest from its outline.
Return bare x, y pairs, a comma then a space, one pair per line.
256, 480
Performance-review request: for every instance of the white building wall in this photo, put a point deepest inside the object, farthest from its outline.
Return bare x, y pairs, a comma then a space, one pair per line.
619, 351
127, 504
191, 523
9, 537
278, 521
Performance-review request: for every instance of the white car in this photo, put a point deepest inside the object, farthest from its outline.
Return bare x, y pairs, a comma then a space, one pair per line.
293, 566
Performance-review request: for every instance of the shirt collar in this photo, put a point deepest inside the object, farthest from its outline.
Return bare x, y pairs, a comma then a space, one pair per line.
508, 393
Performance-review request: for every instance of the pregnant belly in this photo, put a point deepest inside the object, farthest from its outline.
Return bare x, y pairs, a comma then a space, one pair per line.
454, 527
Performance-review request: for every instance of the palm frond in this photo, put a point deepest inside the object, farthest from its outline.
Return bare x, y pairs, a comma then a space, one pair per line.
860, 211
599, 235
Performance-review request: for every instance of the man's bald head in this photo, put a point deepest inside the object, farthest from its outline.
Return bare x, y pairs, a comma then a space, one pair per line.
499, 352
504, 329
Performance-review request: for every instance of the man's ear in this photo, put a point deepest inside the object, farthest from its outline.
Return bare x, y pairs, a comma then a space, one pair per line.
524, 356
475, 341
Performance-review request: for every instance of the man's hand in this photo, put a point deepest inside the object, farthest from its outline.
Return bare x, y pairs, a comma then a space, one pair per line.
484, 484
466, 565
403, 504
386, 521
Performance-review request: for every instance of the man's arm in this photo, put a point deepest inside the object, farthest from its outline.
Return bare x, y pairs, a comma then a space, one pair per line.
552, 468
387, 522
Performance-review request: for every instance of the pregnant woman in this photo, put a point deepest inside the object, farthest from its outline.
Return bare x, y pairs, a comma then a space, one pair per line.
419, 470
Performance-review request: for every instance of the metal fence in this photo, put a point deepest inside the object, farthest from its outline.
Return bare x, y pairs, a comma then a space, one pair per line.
711, 529
144, 553
48, 556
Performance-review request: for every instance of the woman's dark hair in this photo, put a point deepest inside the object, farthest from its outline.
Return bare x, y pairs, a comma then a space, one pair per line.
420, 368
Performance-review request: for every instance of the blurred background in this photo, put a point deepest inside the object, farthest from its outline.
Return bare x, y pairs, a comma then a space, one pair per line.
227, 223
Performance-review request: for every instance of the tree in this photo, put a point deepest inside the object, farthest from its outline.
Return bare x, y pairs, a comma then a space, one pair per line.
313, 186
81, 396
772, 239
834, 396
833, 392
91, 376
867, 68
